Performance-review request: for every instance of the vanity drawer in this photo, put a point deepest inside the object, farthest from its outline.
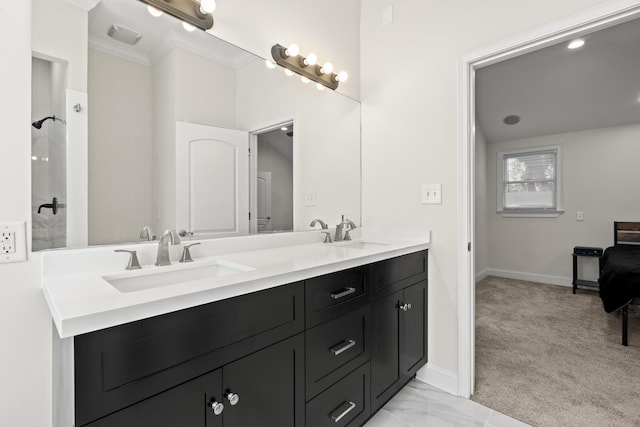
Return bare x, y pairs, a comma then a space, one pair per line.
335, 348
336, 294
119, 366
397, 273
346, 403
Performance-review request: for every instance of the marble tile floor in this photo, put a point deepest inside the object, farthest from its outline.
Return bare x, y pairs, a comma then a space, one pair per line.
419, 404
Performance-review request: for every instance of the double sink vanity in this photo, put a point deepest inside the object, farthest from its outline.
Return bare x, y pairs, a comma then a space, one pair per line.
269, 330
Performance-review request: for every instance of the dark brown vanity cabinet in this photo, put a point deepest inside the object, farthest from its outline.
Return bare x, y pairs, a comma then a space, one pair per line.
327, 351
399, 314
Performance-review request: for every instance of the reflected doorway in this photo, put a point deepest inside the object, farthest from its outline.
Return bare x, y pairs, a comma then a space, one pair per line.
272, 183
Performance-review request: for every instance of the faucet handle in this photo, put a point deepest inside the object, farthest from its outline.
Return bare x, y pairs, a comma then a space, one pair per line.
327, 236
186, 254
133, 264
352, 226
147, 234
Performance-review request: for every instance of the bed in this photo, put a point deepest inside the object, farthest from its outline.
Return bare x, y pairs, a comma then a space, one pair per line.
620, 274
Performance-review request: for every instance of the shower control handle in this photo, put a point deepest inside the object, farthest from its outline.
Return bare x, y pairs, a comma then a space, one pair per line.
53, 206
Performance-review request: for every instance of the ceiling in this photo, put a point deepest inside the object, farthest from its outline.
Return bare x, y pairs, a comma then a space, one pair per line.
557, 90
158, 35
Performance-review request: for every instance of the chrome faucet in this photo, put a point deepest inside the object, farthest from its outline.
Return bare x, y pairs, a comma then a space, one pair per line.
325, 229
339, 237
169, 236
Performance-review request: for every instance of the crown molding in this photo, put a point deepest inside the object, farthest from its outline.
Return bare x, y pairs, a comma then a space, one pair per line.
119, 51
84, 4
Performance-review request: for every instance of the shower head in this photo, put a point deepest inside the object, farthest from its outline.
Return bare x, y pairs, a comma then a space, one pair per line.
39, 123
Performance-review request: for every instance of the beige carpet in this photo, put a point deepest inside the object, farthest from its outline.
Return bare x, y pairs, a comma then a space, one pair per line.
551, 358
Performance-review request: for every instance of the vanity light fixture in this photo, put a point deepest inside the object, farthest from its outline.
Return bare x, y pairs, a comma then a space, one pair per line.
194, 12
154, 12
308, 67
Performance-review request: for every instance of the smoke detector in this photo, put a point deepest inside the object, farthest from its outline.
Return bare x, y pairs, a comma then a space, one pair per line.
124, 34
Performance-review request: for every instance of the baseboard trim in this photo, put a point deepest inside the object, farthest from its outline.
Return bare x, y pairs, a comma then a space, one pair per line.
439, 377
531, 277
481, 275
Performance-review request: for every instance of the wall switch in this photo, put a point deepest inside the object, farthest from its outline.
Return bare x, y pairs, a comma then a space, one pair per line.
310, 198
431, 194
579, 216
13, 242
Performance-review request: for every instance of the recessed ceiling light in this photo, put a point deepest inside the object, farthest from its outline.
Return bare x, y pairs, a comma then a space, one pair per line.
284, 128
575, 44
511, 120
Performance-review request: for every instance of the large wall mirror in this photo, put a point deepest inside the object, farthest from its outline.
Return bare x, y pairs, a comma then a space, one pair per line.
189, 132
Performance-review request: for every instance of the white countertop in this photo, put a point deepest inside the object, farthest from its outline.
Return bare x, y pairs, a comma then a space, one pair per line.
82, 301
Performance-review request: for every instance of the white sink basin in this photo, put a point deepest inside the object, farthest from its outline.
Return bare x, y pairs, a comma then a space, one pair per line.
157, 277
359, 244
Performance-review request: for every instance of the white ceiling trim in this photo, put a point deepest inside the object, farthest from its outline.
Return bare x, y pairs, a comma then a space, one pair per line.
119, 51
84, 4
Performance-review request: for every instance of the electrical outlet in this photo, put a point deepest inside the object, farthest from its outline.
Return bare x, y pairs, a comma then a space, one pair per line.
13, 242
431, 194
8, 242
310, 198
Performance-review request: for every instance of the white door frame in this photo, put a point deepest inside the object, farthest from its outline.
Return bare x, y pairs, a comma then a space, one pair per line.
603, 16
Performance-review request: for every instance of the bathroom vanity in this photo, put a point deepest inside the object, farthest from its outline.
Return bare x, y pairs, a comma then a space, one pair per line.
324, 337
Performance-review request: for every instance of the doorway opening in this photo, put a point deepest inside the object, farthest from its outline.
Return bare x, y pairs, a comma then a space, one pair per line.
48, 154
272, 179
574, 27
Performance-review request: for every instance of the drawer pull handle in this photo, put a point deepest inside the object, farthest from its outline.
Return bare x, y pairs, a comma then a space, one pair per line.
343, 293
340, 348
342, 411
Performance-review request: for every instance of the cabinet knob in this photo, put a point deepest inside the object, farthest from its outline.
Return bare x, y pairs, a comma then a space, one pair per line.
233, 398
216, 406
405, 307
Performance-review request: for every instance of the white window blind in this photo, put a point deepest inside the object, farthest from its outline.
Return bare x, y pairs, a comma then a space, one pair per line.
529, 181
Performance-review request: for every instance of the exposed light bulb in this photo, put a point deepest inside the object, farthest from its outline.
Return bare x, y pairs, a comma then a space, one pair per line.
153, 11
270, 64
207, 6
319, 87
575, 44
292, 50
188, 27
311, 59
304, 79
326, 68
342, 76
288, 72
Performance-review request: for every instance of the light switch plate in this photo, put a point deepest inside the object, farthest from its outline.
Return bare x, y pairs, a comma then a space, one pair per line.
431, 194
13, 242
387, 16
310, 198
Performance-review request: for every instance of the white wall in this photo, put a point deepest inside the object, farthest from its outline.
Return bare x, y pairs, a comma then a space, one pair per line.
25, 323
409, 94
599, 169
120, 144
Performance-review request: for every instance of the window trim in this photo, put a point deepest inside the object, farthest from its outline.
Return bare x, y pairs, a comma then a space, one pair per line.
528, 212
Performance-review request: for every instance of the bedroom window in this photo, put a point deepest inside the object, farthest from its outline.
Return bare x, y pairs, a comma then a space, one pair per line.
530, 182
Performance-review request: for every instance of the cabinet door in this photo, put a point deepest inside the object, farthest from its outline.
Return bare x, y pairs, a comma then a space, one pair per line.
385, 349
269, 385
413, 330
186, 405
